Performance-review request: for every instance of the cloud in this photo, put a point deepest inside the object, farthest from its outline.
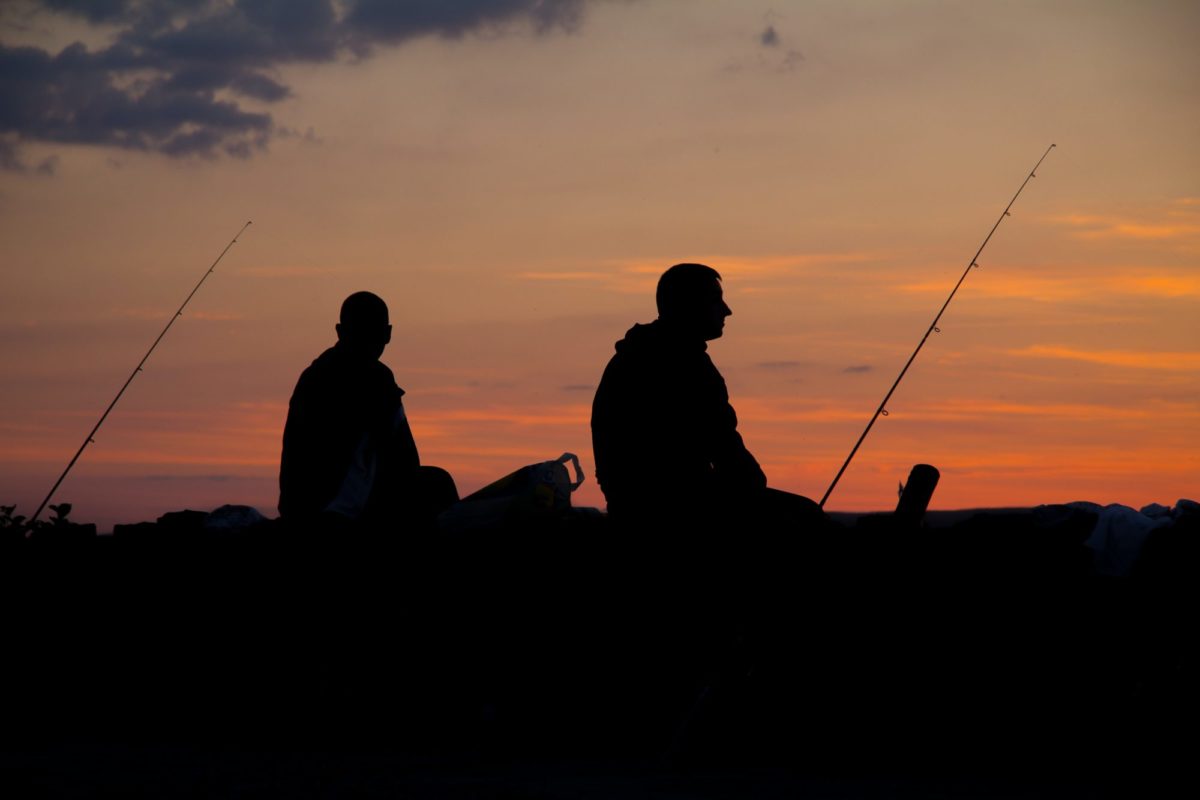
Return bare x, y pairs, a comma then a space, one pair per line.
8, 155
176, 74
10, 159
1159, 285
73, 97
127, 312
163, 315
1138, 359
215, 316
855, 369
216, 478
308, 136
772, 55
750, 274
567, 415
284, 271
755, 266
564, 276
386, 21
1179, 220
1085, 283
47, 166
108, 11
761, 410
974, 408
788, 57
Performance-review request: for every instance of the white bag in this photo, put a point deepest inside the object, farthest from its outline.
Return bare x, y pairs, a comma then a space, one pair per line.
533, 491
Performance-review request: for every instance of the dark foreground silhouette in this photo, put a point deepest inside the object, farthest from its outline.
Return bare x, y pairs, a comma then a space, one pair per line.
710, 637
987, 652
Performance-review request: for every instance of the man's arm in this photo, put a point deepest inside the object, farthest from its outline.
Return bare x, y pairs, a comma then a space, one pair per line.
733, 464
306, 452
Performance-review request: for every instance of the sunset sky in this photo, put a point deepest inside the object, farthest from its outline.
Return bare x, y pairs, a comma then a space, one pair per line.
511, 176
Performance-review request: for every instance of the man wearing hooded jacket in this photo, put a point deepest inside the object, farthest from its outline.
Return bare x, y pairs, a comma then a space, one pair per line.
664, 434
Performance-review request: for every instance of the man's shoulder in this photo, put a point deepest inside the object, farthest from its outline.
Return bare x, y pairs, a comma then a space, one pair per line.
382, 376
332, 369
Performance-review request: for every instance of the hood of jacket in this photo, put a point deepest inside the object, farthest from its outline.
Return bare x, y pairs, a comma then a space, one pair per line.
657, 337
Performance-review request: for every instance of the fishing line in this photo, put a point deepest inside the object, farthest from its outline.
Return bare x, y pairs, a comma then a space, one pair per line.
933, 328
178, 313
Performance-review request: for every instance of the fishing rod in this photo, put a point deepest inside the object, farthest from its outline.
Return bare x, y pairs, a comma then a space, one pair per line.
178, 313
933, 328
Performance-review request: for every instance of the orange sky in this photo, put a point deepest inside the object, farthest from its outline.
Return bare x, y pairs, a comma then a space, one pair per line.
514, 189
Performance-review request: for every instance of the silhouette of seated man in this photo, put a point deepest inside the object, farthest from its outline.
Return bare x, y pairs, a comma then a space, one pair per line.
664, 434
348, 451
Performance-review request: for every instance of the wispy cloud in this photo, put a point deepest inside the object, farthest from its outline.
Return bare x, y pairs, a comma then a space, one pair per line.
774, 53
1141, 230
284, 271
753, 273
164, 315
1179, 219
966, 409
1083, 282
167, 478
266, 407
775, 410
1160, 285
1138, 359
215, 316
237, 435
749, 266
518, 416
128, 312
565, 276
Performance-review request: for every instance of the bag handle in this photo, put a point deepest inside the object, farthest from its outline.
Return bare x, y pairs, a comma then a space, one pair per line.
574, 459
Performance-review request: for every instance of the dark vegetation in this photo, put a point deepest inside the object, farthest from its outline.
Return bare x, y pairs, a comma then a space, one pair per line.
14, 526
989, 650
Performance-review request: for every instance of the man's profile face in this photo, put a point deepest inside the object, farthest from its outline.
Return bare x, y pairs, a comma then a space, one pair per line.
699, 310
711, 311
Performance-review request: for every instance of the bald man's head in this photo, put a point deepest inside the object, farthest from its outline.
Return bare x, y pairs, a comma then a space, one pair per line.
363, 324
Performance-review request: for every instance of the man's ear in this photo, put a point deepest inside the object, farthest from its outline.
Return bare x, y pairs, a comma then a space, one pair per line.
388, 336
337, 326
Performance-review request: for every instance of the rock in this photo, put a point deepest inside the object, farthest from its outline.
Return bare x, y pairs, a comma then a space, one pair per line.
231, 517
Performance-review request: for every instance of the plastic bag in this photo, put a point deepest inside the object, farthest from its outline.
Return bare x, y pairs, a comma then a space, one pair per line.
537, 490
